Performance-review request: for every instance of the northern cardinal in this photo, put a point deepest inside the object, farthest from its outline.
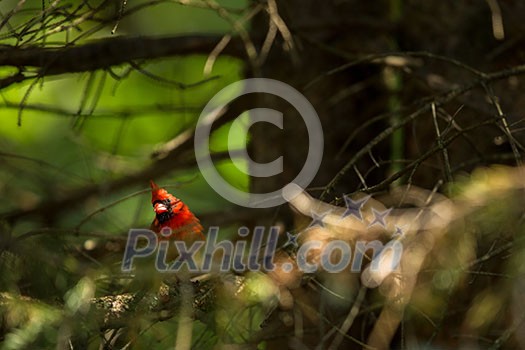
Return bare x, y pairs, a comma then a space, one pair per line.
172, 213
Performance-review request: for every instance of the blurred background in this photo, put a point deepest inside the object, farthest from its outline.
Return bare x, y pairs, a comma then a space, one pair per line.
100, 97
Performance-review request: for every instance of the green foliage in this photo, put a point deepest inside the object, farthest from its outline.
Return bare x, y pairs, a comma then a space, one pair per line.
61, 134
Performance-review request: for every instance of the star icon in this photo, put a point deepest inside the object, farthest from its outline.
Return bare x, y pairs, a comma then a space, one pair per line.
292, 240
318, 219
379, 217
354, 207
398, 231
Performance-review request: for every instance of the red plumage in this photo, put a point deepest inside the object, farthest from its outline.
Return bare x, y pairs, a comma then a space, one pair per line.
172, 213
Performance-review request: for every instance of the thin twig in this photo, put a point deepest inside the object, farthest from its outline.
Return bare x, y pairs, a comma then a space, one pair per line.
349, 320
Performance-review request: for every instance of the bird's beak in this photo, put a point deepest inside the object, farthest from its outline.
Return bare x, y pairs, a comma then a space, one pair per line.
159, 208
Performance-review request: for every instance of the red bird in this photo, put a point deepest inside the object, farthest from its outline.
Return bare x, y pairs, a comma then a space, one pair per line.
172, 213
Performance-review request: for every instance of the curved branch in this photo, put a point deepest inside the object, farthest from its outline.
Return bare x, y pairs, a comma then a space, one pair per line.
110, 52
